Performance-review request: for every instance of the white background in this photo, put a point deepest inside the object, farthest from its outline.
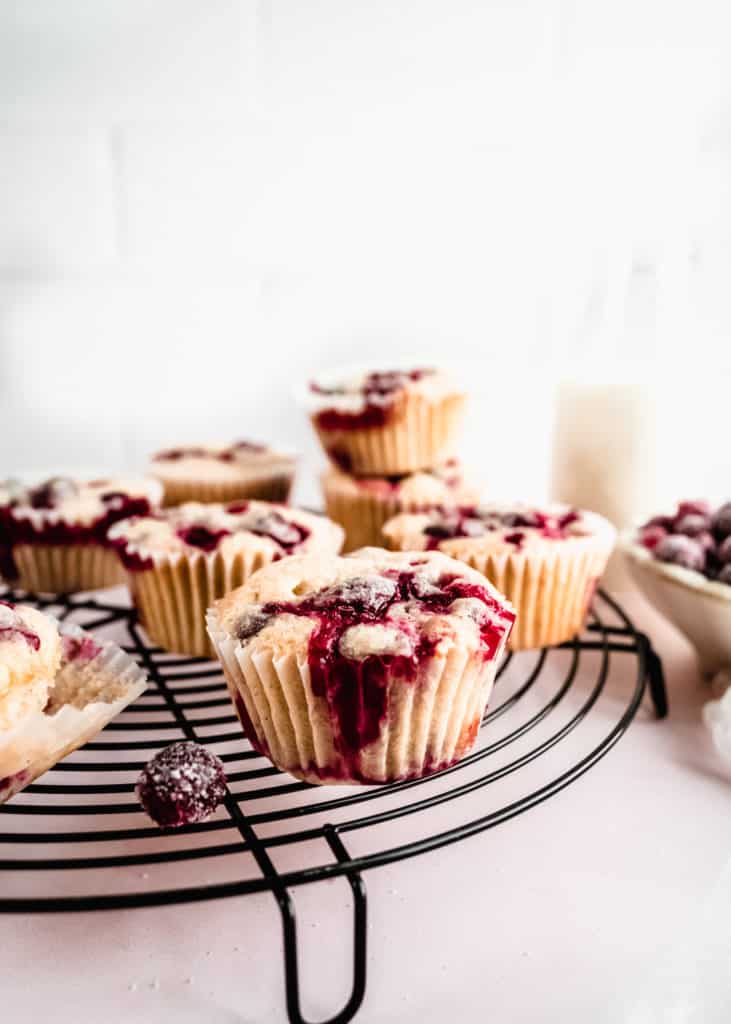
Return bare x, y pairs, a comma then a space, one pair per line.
203, 203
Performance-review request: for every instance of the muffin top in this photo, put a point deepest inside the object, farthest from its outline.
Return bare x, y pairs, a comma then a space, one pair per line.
444, 485
398, 608
695, 538
365, 399
205, 529
242, 459
499, 529
30, 654
63, 499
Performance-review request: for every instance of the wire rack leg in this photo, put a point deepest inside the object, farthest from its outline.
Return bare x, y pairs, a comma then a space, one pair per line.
655, 678
289, 927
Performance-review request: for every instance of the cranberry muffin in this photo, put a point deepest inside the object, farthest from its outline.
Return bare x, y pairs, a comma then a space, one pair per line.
30, 654
53, 537
223, 473
180, 560
548, 562
363, 504
364, 669
58, 689
387, 423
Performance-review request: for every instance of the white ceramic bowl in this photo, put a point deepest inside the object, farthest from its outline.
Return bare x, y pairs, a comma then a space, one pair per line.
698, 607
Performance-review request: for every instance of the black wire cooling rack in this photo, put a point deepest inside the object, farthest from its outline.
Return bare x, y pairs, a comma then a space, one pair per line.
80, 829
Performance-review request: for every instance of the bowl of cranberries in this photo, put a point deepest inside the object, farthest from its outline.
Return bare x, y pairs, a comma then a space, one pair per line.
682, 563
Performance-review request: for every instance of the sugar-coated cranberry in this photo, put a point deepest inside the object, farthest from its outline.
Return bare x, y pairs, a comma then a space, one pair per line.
723, 551
693, 508
650, 536
721, 522
724, 575
706, 540
181, 785
681, 550
692, 524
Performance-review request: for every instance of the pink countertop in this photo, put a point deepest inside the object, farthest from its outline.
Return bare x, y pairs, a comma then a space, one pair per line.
610, 902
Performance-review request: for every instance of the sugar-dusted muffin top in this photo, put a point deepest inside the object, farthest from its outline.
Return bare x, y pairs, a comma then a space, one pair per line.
75, 502
30, 654
222, 463
499, 528
365, 399
444, 485
398, 607
197, 528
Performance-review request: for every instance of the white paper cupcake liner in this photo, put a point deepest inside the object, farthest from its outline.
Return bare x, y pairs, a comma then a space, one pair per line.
172, 597
273, 488
65, 568
417, 435
432, 720
550, 593
102, 685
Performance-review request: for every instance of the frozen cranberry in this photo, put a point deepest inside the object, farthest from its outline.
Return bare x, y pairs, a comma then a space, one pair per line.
182, 784
706, 540
721, 521
692, 524
650, 536
723, 551
681, 550
693, 508
724, 575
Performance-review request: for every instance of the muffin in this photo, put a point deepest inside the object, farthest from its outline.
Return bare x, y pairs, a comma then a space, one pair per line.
364, 669
58, 689
30, 654
363, 504
223, 473
388, 423
547, 562
180, 560
53, 537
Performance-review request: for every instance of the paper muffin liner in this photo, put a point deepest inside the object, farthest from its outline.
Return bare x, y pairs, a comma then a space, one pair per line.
65, 568
172, 597
103, 685
550, 592
272, 488
418, 434
363, 514
431, 722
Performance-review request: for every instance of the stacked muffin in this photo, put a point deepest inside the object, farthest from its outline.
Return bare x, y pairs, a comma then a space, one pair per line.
390, 437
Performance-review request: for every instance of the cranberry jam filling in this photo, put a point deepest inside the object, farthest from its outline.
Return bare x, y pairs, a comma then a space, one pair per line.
475, 522
696, 537
80, 648
206, 536
17, 528
378, 392
12, 627
357, 689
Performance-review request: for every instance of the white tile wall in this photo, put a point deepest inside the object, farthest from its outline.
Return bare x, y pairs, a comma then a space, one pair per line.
200, 204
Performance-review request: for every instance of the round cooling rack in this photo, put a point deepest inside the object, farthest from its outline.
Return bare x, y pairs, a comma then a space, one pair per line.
80, 830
